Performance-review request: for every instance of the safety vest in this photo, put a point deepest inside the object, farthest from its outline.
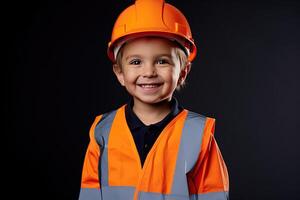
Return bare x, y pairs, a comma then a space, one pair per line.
184, 163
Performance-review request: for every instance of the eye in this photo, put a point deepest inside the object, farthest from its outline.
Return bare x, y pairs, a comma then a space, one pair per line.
162, 61
135, 62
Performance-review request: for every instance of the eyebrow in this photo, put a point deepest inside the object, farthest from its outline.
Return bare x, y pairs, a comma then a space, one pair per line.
156, 56
130, 56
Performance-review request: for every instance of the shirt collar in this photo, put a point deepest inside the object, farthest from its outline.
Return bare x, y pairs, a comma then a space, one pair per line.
134, 122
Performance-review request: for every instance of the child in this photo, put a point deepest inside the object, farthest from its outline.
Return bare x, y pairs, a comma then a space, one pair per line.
152, 148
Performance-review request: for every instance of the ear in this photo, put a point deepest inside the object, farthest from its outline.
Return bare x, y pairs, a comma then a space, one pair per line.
184, 72
119, 73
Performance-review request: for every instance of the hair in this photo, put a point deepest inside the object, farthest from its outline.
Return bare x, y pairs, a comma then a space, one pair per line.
179, 51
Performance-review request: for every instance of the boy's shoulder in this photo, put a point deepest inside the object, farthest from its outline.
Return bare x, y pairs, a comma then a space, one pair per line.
103, 122
108, 114
193, 114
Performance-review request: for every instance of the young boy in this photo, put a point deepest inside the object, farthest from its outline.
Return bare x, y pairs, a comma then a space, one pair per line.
152, 148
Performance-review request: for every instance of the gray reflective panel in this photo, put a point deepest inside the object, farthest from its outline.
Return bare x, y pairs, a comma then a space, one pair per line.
207, 196
189, 150
118, 193
90, 194
211, 196
102, 131
158, 196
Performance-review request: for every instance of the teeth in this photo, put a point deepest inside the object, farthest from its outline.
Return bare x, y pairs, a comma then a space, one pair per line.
148, 86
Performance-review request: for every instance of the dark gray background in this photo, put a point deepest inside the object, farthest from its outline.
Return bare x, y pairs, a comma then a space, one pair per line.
246, 75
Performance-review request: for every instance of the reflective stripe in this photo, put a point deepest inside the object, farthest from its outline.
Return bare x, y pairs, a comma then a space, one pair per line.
207, 196
90, 194
102, 131
158, 196
126, 193
211, 196
118, 192
189, 150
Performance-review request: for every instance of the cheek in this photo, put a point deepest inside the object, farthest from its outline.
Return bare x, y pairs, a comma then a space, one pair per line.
129, 76
170, 77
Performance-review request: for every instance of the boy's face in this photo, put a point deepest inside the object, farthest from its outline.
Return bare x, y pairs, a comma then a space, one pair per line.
150, 69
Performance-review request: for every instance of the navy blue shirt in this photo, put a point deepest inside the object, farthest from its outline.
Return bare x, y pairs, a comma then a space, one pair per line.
145, 135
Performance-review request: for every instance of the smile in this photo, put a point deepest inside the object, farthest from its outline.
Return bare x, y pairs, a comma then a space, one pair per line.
150, 88
149, 85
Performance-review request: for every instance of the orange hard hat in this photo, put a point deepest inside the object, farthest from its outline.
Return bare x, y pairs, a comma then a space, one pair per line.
151, 18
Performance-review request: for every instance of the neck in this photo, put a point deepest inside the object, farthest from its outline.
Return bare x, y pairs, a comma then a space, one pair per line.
152, 113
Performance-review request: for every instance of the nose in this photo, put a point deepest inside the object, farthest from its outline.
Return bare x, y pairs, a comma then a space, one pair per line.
149, 70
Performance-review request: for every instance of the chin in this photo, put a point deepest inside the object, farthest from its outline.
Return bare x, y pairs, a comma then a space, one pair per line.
151, 99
